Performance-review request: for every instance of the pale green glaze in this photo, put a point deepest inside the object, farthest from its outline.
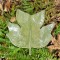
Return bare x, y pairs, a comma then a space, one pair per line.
28, 33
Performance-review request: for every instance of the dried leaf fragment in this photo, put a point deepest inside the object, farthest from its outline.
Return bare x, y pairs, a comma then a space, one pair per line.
13, 19
1, 8
55, 43
7, 5
57, 2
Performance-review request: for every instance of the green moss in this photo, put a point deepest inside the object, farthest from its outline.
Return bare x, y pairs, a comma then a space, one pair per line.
57, 30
